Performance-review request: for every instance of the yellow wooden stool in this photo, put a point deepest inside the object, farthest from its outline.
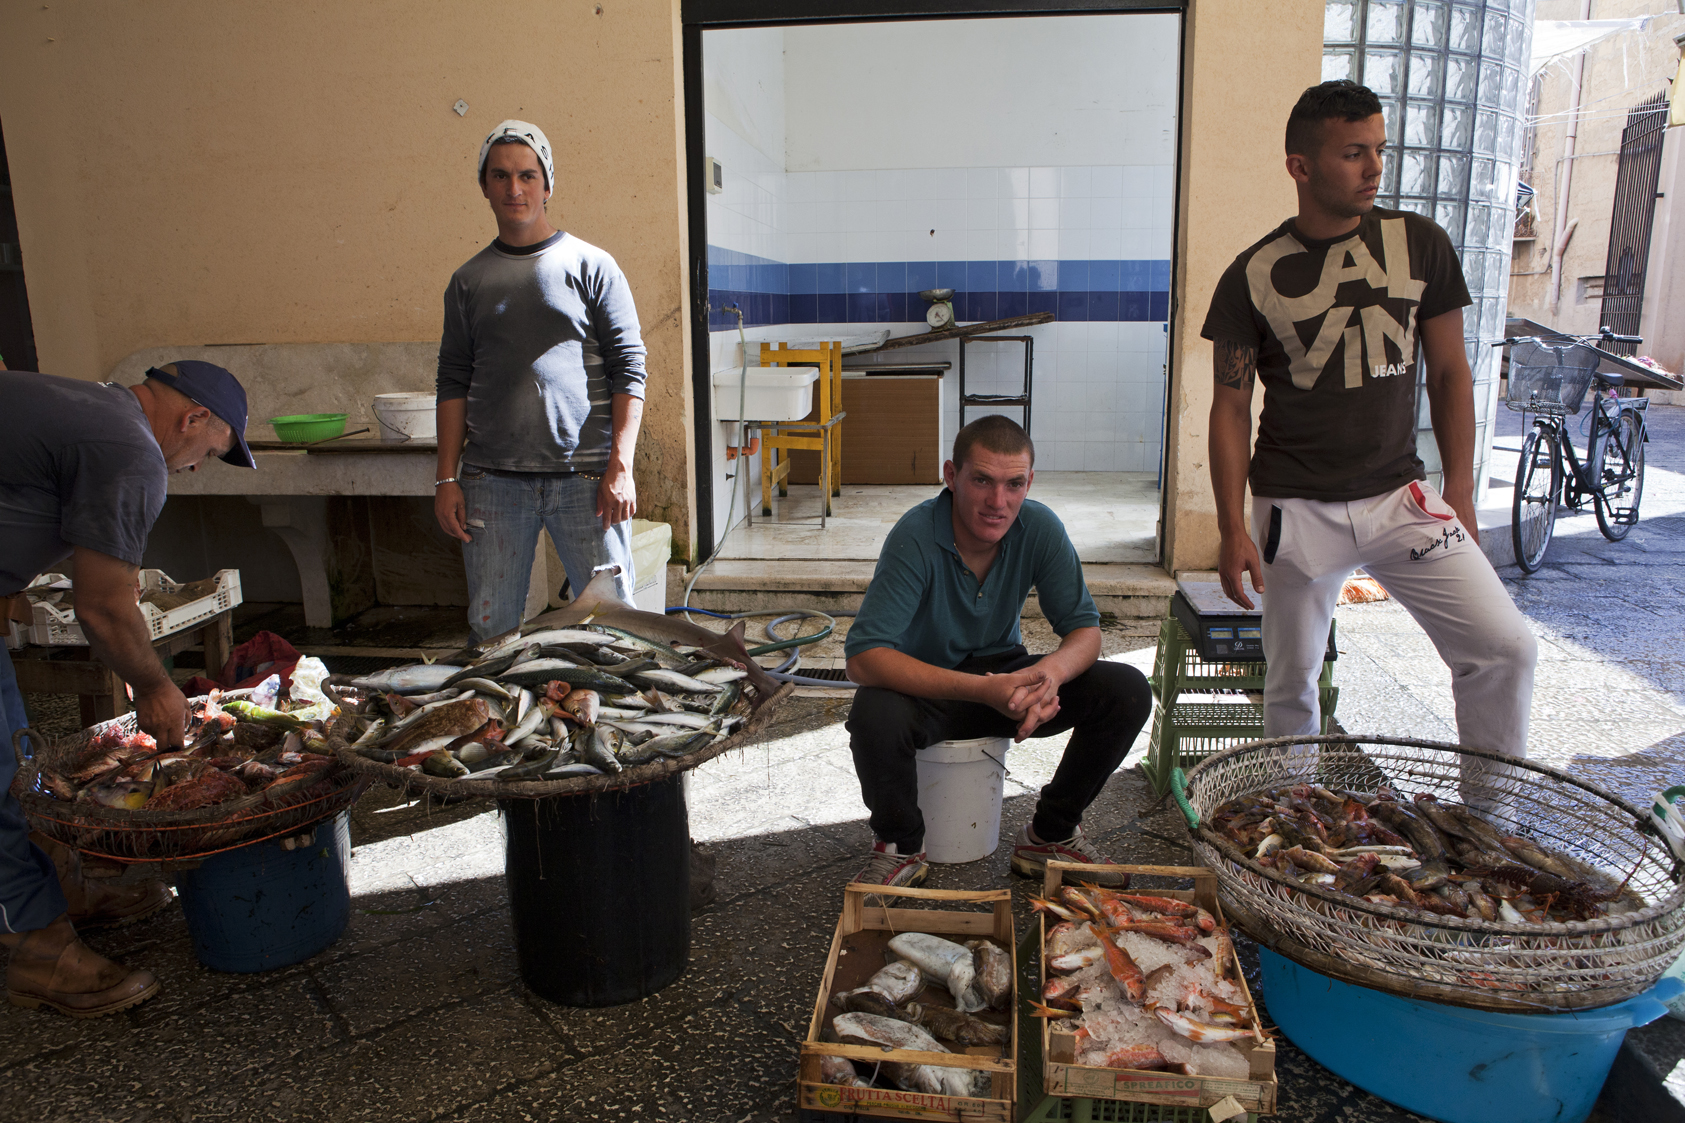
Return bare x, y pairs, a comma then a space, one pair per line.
821, 434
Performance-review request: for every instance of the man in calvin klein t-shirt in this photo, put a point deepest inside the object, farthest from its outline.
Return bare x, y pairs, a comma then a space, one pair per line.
1327, 310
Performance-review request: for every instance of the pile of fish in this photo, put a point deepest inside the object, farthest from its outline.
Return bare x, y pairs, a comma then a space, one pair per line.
590, 690
236, 753
1423, 853
1144, 982
884, 1013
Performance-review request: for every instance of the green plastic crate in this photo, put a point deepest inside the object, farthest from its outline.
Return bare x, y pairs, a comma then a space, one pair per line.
1056, 1109
1185, 733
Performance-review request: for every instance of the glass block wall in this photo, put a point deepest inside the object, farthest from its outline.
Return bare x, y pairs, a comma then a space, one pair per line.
1451, 75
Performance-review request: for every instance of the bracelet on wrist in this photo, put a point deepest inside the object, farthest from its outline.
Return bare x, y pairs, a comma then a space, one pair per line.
440, 483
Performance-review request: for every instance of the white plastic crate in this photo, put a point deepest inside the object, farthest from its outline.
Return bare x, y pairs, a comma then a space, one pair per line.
57, 627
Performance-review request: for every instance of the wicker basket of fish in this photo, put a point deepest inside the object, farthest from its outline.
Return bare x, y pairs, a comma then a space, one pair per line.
1438, 872
591, 697
246, 773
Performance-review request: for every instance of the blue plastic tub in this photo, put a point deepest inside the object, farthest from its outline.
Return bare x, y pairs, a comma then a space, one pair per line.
260, 907
1453, 1064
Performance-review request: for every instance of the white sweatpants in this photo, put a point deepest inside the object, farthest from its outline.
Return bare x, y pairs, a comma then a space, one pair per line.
1412, 542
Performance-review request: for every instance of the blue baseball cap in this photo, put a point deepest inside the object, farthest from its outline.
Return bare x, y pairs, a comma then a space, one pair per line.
209, 385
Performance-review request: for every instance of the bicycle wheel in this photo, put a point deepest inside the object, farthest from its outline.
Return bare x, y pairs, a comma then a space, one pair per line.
1538, 480
1620, 477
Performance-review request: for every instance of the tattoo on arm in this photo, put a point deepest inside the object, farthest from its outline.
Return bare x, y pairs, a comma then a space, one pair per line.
1236, 364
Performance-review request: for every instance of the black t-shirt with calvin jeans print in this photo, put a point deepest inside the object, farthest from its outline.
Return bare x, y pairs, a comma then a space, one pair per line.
1334, 322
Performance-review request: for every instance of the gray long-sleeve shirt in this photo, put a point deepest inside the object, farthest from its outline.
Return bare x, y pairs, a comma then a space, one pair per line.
539, 339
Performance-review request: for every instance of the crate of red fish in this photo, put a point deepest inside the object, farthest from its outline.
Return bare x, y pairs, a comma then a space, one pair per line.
1438, 872
914, 1018
1142, 996
246, 773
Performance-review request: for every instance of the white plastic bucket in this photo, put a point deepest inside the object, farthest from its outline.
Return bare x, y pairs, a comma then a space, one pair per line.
960, 786
404, 417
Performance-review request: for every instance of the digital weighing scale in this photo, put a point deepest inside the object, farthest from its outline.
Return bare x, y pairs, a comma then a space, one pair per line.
1222, 631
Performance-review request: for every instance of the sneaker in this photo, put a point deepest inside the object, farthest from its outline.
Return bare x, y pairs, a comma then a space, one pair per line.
891, 867
1029, 859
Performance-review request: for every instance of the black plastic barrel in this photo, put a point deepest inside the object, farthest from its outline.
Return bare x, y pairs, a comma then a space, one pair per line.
599, 891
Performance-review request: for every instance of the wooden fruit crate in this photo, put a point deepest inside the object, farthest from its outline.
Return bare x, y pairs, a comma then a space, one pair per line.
1062, 1076
856, 954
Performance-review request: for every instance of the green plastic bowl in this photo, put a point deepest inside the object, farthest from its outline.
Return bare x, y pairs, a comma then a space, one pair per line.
309, 426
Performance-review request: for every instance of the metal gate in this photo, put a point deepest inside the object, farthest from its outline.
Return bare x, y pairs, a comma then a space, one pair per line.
1629, 226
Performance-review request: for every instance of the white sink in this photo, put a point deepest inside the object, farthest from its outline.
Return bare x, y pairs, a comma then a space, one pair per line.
766, 393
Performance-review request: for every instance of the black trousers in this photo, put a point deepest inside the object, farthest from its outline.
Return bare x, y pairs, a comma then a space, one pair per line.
1105, 706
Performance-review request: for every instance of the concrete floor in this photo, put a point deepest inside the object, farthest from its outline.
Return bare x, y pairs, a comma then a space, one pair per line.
418, 1012
1112, 518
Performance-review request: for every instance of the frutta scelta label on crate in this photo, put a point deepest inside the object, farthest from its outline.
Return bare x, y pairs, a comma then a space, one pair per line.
912, 1105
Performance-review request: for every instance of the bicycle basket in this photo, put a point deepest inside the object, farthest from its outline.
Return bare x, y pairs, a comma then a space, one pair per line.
1550, 377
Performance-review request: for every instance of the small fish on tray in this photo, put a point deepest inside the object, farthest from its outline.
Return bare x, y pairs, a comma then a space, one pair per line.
574, 693
1143, 982
1418, 853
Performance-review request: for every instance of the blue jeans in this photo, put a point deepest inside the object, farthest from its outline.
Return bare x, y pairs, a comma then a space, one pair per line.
505, 512
30, 896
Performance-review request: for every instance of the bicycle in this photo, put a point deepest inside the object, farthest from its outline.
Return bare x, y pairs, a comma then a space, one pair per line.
1549, 377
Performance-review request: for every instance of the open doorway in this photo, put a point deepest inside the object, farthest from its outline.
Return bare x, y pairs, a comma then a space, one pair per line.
1028, 165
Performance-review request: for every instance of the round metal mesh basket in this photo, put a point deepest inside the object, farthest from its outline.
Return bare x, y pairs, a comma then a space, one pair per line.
1513, 968
121, 835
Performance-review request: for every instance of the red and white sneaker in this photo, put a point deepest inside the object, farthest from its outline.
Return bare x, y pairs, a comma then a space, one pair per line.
891, 867
1029, 858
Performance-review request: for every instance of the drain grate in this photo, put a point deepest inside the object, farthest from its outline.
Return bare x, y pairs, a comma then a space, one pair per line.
829, 674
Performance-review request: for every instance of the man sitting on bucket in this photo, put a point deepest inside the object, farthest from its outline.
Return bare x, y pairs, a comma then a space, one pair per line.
936, 651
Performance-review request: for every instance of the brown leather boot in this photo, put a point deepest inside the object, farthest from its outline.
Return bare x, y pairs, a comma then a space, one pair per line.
94, 904
52, 967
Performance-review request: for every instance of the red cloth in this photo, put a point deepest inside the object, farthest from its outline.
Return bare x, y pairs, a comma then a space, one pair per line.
263, 655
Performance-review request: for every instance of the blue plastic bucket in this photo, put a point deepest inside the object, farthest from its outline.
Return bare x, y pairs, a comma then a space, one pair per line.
1450, 1063
260, 907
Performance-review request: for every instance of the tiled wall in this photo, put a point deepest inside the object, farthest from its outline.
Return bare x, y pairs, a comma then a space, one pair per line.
887, 292
1085, 243
821, 254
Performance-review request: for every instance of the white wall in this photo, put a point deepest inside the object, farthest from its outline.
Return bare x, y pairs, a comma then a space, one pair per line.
961, 141
743, 95
976, 93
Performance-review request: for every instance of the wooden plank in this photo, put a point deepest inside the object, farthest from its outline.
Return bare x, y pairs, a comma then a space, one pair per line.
967, 329
984, 896
923, 920
909, 1056
218, 642
893, 1103
61, 676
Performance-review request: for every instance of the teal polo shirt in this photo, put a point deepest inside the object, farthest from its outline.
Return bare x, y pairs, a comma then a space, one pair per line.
925, 602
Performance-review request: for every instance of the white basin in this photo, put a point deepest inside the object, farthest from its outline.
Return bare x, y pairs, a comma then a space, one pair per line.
767, 393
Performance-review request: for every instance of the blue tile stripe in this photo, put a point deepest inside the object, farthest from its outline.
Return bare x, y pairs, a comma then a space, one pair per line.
885, 292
